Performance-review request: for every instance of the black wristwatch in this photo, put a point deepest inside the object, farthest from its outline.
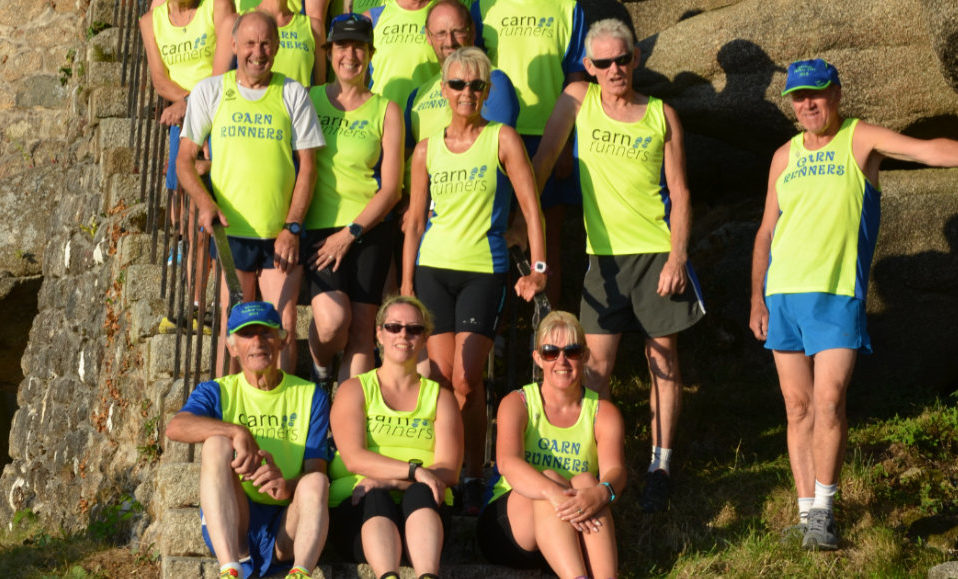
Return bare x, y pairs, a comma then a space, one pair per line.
414, 463
294, 228
355, 229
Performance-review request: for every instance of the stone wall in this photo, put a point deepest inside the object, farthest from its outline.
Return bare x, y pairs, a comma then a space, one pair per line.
69, 211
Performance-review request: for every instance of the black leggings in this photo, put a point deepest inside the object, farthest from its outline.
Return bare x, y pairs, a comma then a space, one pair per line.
497, 543
347, 519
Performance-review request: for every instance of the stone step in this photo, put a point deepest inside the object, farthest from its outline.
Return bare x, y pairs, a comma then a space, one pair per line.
207, 568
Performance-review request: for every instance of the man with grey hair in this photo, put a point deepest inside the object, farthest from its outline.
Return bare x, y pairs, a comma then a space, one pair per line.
257, 120
810, 265
637, 229
263, 484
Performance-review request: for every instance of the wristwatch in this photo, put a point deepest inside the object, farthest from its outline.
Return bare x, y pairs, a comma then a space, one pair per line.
540, 267
294, 228
608, 485
355, 229
414, 463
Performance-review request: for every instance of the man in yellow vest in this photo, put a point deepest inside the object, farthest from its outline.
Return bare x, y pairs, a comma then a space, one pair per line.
264, 455
810, 269
257, 121
635, 201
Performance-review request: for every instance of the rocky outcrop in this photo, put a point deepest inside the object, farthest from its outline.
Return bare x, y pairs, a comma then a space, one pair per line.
941, 18
722, 65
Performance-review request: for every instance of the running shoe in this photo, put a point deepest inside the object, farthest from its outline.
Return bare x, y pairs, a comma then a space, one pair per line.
658, 487
821, 535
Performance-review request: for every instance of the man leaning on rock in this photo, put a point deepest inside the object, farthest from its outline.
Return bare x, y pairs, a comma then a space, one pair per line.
263, 485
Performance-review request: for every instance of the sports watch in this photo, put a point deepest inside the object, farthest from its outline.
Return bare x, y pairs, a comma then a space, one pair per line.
540, 267
414, 463
608, 485
355, 229
293, 227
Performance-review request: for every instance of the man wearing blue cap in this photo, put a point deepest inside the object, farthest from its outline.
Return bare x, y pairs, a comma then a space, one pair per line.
810, 270
263, 485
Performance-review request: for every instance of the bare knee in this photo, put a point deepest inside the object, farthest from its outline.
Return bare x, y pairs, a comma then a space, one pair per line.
217, 449
313, 485
797, 409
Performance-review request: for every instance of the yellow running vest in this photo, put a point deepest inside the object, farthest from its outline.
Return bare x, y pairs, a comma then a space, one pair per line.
253, 173
826, 233
393, 433
625, 200
186, 51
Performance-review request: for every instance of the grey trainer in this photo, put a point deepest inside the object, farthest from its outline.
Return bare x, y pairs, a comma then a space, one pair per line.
821, 535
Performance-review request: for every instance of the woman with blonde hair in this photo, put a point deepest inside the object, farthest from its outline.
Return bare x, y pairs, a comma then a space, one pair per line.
560, 458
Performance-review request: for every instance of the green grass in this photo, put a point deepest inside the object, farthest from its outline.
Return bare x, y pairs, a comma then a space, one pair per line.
733, 493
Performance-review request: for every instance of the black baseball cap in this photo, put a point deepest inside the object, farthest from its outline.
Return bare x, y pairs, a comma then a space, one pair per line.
350, 26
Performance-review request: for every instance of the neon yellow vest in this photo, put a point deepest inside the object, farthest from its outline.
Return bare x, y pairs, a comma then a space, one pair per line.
359, 6
625, 200
528, 39
186, 51
392, 433
245, 5
346, 164
404, 59
826, 232
253, 175
470, 207
278, 419
297, 50
567, 451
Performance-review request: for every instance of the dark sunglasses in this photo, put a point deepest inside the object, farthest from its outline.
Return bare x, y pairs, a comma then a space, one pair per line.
604, 63
349, 17
411, 329
459, 84
550, 353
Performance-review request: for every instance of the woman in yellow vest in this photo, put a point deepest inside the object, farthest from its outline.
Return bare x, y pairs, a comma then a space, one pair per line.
348, 245
399, 448
560, 456
300, 35
457, 265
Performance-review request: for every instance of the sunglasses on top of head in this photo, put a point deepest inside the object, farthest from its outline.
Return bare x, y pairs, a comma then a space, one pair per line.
411, 329
604, 63
550, 353
460, 84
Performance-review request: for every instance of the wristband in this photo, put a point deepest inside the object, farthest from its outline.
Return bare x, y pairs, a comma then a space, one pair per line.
608, 485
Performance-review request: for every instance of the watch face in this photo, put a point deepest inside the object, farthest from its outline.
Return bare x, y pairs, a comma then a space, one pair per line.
355, 229
540, 267
294, 228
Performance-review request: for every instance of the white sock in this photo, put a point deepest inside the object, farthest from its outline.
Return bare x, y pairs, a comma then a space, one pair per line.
824, 496
322, 372
236, 566
804, 505
661, 458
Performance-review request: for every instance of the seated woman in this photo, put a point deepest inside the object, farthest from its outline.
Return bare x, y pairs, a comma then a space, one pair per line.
561, 460
399, 441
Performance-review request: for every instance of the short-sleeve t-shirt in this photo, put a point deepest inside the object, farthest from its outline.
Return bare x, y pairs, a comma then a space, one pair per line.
289, 421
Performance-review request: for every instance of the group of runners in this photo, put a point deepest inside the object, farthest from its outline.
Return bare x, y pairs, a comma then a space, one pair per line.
287, 127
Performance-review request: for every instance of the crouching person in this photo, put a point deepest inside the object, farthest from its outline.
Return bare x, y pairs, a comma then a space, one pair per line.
263, 485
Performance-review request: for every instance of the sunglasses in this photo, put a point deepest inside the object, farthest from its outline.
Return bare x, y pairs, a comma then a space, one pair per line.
459, 84
349, 17
411, 329
550, 353
604, 63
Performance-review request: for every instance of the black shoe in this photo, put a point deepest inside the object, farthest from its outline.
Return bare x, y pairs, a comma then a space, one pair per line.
472, 497
655, 497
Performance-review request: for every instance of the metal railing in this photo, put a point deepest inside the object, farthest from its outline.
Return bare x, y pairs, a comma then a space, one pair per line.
175, 238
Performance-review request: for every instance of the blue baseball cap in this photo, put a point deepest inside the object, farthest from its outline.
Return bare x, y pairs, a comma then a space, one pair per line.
249, 313
814, 74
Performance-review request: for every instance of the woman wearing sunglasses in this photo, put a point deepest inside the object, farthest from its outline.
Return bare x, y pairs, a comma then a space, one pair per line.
560, 457
399, 448
457, 261
348, 243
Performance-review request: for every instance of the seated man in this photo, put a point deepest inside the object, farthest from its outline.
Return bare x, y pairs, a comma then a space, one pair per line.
263, 485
